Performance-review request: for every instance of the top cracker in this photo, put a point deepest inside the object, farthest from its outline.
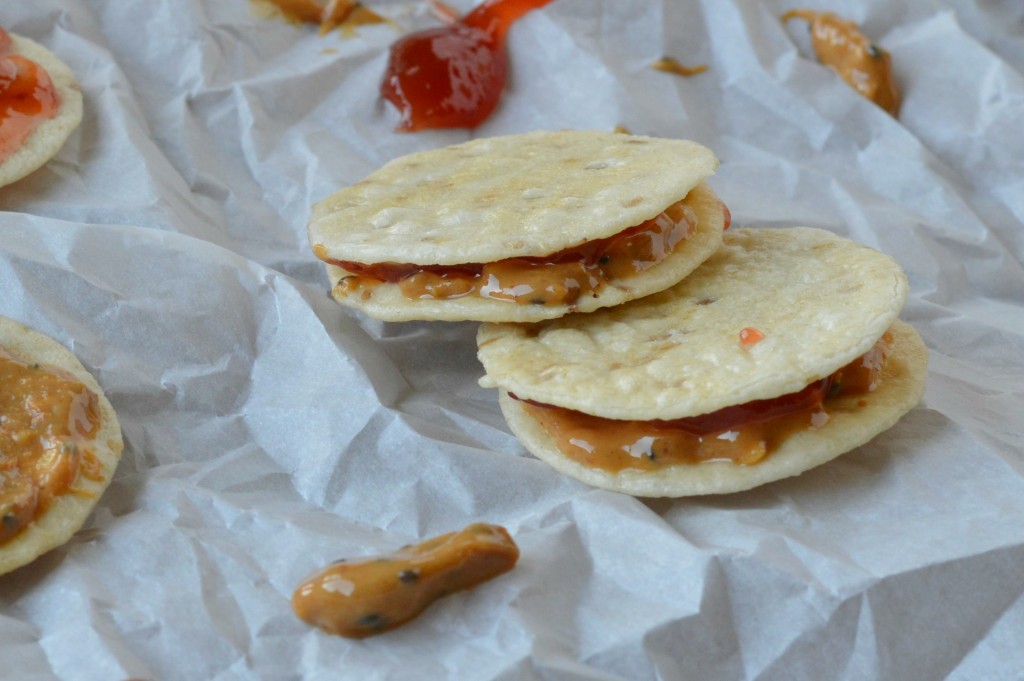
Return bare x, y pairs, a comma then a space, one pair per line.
531, 202
820, 300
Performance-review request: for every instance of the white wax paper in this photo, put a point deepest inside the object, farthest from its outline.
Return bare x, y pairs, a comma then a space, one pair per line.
269, 431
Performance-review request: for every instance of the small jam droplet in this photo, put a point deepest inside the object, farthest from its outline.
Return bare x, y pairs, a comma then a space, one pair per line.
749, 337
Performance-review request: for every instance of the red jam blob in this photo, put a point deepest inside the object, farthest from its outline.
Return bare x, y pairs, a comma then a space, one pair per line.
27, 97
453, 76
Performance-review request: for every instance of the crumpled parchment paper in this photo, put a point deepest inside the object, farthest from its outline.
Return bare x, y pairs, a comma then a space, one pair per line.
269, 431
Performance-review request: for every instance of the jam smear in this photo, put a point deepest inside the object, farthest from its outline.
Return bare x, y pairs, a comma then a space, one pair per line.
673, 66
453, 76
27, 98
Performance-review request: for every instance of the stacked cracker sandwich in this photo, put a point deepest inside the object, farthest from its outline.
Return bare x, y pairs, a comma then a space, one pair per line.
636, 344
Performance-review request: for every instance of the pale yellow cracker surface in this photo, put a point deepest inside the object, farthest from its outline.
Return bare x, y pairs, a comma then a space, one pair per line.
850, 425
47, 139
69, 512
821, 301
387, 301
502, 197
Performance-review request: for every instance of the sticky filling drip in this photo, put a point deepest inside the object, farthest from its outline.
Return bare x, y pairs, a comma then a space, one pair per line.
27, 98
743, 434
864, 66
368, 596
47, 420
557, 279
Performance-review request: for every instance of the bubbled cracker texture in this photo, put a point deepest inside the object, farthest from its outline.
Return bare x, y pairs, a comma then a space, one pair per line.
69, 512
48, 138
387, 301
501, 197
853, 421
820, 301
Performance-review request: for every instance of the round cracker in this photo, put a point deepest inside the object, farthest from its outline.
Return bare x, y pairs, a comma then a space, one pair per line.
503, 197
47, 139
820, 300
69, 511
387, 302
850, 425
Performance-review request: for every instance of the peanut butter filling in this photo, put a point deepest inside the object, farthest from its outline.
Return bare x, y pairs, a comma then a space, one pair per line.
372, 595
47, 419
560, 278
743, 434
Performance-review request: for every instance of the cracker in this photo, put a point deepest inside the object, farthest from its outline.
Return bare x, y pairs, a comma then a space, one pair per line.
69, 511
502, 197
48, 138
387, 301
850, 425
821, 301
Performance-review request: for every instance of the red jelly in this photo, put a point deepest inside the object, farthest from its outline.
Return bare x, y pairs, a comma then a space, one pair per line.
453, 76
27, 97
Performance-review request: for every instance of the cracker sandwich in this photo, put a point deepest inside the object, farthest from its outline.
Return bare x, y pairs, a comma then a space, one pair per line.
60, 442
520, 228
779, 353
40, 106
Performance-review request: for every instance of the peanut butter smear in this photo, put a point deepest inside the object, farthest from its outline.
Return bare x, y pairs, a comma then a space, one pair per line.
672, 65
27, 97
347, 14
373, 595
743, 434
561, 278
840, 45
47, 419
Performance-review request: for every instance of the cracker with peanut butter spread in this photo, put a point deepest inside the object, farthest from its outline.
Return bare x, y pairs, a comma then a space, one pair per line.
781, 352
60, 442
520, 228
59, 115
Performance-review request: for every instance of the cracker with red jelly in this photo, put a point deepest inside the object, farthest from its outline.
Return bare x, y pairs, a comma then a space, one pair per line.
520, 228
40, 106
60, 442
781, 352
